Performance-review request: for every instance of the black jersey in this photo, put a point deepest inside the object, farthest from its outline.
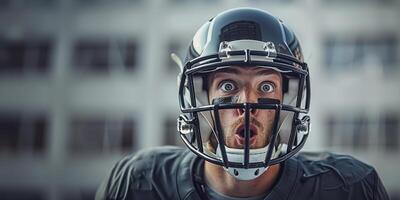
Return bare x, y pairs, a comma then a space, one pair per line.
175, 173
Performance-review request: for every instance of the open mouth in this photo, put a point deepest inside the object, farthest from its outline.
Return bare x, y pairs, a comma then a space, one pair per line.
240, 135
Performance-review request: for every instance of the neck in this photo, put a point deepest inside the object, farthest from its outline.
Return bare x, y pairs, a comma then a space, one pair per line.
221, 181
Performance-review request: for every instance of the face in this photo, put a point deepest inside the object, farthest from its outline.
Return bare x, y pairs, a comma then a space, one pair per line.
248, 84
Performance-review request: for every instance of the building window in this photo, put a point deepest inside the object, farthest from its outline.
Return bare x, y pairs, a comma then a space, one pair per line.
348, 131
359, 131
97, 135
127, 53
344, 54
103, 56
391, 131
22, 134
91, 55
10, 131
339, 53
171, 135
25, 56
340, 131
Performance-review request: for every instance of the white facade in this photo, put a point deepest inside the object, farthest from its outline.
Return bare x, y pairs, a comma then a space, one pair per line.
364, 87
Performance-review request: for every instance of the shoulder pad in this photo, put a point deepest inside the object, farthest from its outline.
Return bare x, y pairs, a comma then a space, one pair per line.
335, 170
135, 173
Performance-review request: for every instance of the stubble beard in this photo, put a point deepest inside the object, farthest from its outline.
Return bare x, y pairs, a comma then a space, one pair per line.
263, 132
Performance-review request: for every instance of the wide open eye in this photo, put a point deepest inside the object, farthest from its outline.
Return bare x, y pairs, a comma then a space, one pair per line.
267, 87
227, 86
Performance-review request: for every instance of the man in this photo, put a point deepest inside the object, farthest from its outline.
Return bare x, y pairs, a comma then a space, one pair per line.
244, 92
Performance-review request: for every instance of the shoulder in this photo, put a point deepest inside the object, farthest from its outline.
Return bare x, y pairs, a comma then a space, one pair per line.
340, 174
137, 173
148, 160
345, 168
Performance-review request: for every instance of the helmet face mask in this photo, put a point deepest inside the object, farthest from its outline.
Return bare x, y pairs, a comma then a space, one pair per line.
250, 39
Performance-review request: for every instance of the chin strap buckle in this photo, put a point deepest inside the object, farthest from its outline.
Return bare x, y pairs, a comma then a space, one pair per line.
304, 125
183, 125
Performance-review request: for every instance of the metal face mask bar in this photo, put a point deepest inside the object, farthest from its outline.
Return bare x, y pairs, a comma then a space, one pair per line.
188, 122
262, 104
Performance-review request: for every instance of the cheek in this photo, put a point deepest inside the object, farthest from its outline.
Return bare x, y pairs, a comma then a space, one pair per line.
226, 116
266, 116
227, 119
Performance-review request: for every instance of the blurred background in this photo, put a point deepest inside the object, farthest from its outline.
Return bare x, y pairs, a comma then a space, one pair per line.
85, 82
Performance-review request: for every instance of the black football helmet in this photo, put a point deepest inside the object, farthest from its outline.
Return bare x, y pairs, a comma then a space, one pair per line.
244, 37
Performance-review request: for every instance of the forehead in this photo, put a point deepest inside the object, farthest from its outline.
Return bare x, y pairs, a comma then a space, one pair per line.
244, 71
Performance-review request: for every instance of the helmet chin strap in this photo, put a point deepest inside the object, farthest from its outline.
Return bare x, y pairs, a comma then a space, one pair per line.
237, 155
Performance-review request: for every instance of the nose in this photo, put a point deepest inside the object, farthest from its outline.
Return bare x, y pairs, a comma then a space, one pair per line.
247, 96
241, 111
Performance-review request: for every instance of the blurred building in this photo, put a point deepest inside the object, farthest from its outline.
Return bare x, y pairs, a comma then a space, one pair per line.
85, 82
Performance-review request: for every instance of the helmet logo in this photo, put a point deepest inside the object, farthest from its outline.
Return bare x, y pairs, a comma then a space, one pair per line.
225, 46
269, 47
